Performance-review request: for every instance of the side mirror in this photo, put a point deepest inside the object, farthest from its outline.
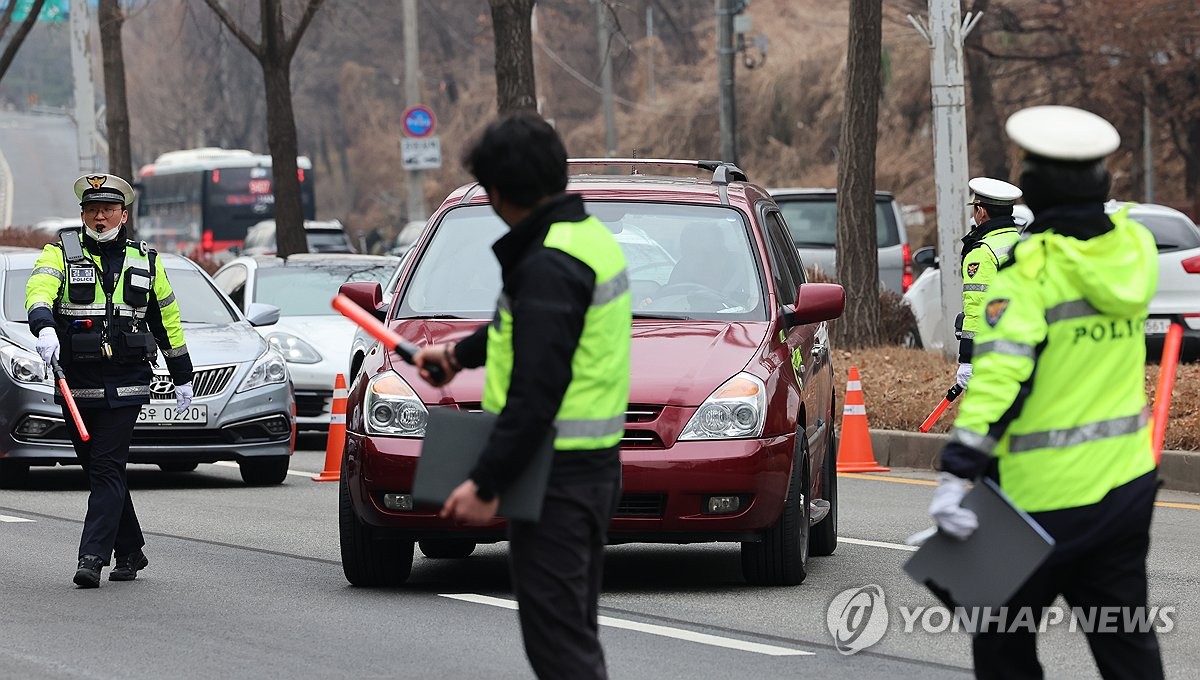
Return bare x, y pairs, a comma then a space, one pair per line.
262, 314
815, 302
366, 294
926, 257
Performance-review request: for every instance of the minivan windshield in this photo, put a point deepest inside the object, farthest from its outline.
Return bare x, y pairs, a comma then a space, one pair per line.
812, 220
683, 261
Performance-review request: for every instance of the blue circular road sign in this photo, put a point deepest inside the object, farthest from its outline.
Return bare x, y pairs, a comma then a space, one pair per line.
419, 121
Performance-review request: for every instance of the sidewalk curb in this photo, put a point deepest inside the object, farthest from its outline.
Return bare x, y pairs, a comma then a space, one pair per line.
1180, 470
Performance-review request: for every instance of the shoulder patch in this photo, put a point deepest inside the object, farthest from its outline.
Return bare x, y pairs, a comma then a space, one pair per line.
972, 269
995, 310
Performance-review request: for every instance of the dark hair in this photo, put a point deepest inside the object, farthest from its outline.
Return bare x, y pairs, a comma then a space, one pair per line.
520, 157
1049, 182
994, 210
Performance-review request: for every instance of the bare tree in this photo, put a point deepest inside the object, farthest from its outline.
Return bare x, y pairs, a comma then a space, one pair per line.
10, 50
857, 249
988, 139
116, 107
515, 86
274, 54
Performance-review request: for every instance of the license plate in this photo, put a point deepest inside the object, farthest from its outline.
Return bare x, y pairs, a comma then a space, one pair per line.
165, 414
1157, 326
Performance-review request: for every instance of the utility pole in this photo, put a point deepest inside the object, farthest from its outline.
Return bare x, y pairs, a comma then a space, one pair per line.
728, 105
1147, 146
85, 93
412, 97
945, 34
606, 84
650, 48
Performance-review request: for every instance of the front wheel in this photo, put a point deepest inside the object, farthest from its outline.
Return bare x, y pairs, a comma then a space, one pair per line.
823, 539
368, 561
781, 558
264, 471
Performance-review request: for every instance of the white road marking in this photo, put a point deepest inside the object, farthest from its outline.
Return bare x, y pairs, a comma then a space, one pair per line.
10, 518
298, 473
652, 629
877, 544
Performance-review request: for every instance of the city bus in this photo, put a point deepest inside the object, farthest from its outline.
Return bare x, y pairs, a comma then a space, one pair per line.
202, 201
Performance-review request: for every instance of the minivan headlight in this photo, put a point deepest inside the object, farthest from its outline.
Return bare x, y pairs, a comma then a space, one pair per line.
24, 366
392, 408
268, 369
293, 349
736, 410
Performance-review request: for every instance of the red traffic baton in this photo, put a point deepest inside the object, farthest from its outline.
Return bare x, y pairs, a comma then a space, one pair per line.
390, 338
1166, 383
951, 395
70, 400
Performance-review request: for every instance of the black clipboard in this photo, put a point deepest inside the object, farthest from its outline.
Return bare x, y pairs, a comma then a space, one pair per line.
454, 440
988, 568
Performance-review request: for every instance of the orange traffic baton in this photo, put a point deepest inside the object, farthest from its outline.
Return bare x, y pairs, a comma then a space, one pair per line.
1166, 383
390, 339
951, 395
337, 434
70, 400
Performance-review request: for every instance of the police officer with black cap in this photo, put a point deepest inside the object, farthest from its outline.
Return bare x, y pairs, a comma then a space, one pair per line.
102, 306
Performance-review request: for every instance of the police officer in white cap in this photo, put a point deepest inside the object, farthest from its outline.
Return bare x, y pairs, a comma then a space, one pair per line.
102, 306
985, 248
1057, 405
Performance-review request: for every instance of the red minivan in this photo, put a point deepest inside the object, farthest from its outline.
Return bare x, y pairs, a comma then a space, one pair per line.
729, 433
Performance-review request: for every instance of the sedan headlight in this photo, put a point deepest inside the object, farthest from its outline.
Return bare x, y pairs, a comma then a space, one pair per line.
737, 410
393, 408
269, 369
24, 366
293, 349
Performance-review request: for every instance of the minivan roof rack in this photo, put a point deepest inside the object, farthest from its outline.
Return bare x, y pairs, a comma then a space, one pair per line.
723, 172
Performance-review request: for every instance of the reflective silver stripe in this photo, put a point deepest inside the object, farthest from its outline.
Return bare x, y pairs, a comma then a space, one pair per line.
87, 393
611, 289
974, 287
167, 300
571, 429
132, 391
979, 442
1018, 349
175, 352
73, 309
39, 304
1074, 309
49, 270
968, 334
1057, 439
1003, 251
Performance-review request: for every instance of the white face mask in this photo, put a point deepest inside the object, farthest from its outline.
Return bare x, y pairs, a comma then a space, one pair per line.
103, 237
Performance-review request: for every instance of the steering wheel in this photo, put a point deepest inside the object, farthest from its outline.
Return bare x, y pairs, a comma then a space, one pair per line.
697, 289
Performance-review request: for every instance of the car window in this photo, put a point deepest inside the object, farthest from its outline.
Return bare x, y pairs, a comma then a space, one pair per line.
304, 290
199, 301
1171, 232
689, 260
812, 221
327, 241
777, 244
232, 280
790, 256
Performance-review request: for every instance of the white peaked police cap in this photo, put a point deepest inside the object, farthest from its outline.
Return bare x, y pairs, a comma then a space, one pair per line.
993, 191
103, 189
1062, 133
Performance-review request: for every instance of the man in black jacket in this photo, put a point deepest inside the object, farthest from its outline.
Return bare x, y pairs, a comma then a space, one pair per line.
557, 355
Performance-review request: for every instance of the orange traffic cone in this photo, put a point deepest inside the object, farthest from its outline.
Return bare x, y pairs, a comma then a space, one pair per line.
337, 434
854, 449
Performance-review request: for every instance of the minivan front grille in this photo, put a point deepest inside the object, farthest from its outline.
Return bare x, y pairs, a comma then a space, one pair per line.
205, 382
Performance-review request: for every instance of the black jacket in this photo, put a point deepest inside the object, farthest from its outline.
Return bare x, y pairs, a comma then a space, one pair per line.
549, 293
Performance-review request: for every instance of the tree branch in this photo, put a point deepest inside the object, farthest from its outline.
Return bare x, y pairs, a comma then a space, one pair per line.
6, 19
10, 51
256, 49
1055, 56
290, 44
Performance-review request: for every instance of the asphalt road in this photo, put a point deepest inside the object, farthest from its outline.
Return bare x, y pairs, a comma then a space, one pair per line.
42, 157
246, 582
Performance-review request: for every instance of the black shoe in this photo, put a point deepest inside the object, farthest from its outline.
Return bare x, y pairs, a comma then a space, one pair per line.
128, 566
88, 573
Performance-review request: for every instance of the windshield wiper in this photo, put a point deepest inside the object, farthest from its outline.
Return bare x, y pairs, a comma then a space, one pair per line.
655, 315
434, 316
812, 244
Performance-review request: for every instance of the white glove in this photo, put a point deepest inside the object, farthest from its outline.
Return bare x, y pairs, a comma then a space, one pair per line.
946, 508
183, 397
47, 345
963, 375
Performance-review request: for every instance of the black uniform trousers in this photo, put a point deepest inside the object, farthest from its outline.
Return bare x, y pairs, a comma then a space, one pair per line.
557, 566
1099, 561
110, 522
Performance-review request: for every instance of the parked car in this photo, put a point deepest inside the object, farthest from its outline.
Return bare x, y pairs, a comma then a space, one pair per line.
1177, 298
322, 237
313, 338
242, 410
729, 431
811, 216
407, 237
